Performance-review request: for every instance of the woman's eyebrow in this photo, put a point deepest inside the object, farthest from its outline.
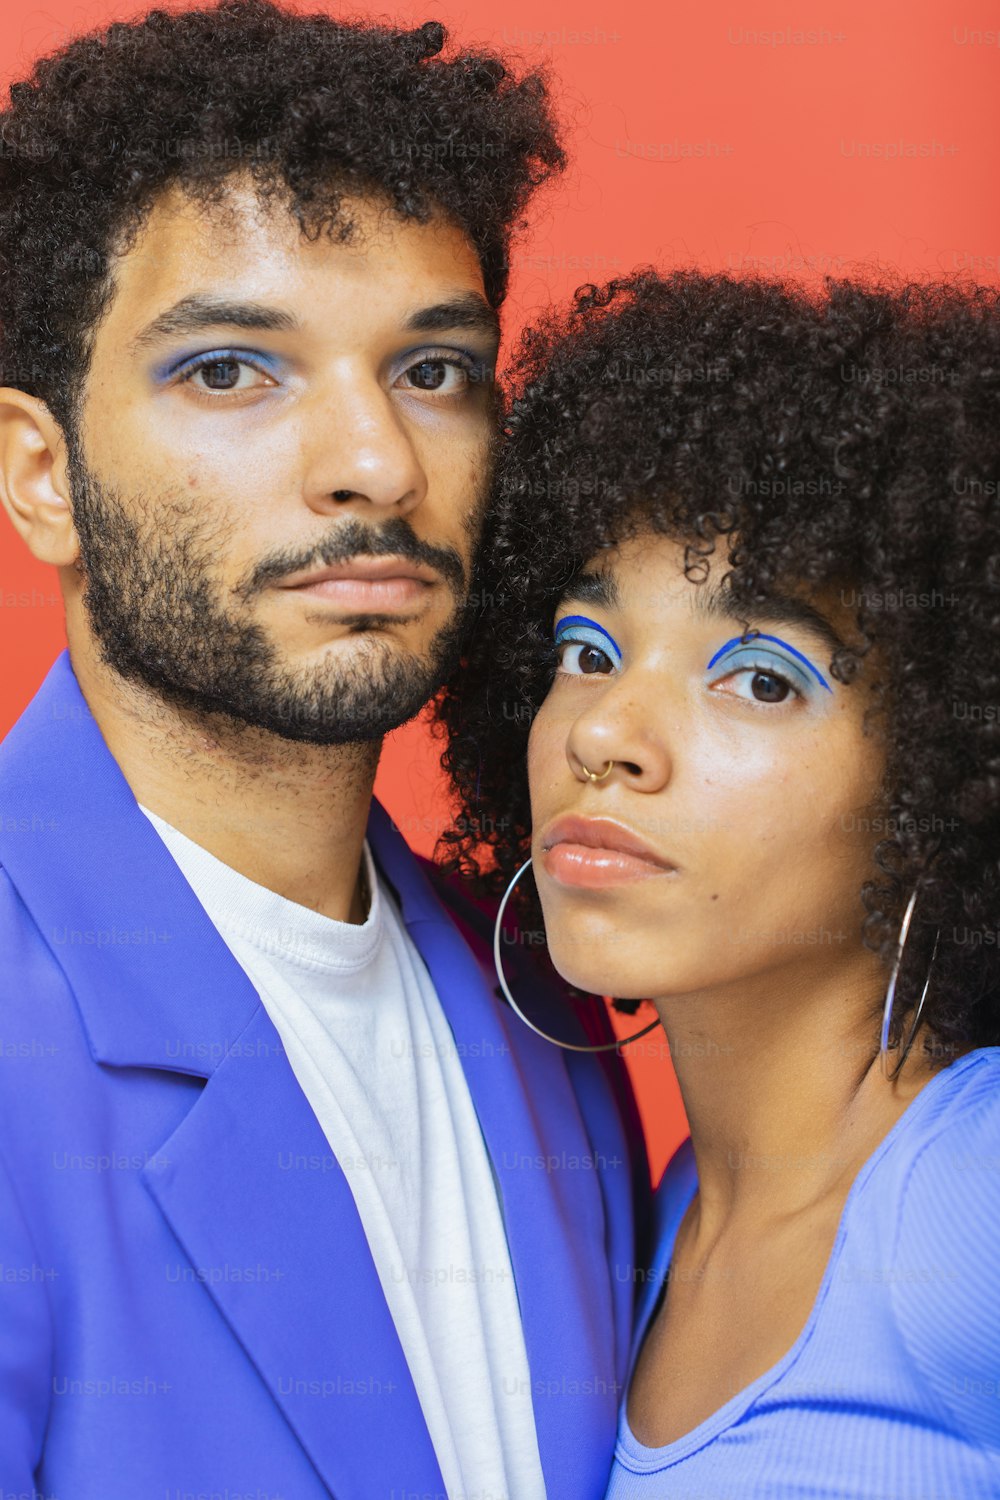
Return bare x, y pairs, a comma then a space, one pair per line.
601, 587
592, 588
776, 609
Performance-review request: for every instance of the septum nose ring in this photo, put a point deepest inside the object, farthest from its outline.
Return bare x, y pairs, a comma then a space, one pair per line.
594, 775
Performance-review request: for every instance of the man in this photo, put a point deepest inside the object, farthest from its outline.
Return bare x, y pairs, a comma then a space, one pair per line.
289, 1204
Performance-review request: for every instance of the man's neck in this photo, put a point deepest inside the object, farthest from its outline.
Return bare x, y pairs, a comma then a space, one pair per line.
288, 816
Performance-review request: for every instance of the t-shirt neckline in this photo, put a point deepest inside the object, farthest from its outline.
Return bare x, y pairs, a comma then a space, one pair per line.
276, 926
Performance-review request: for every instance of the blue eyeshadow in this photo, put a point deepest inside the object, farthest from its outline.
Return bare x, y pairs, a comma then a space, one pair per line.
582, 622
743, 640
162, 372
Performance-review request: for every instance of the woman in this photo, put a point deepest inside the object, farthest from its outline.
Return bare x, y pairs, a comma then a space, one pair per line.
741, 635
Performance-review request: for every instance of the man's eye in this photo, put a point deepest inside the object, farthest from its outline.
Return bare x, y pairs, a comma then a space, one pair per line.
445, 377
226, 374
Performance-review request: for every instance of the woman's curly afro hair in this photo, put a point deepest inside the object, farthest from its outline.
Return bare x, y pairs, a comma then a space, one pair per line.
846, 437
310, 106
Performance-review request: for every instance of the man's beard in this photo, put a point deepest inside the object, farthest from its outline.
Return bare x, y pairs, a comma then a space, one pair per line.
157, 616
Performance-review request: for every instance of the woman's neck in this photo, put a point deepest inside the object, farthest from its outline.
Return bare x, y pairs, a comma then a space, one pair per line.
784, 1096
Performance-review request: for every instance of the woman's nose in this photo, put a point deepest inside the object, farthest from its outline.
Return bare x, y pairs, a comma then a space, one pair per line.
618, 740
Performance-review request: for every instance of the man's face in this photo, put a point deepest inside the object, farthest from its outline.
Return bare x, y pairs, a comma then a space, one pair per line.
260, 407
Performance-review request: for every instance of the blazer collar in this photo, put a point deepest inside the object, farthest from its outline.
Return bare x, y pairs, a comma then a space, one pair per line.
134, 942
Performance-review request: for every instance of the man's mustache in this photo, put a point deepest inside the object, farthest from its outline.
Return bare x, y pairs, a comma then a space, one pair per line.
352, 538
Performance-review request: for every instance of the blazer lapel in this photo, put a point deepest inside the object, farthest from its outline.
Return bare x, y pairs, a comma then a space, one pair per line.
551, 1199
248, 1177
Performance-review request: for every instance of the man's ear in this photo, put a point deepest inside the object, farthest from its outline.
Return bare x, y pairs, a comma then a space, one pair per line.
34, 484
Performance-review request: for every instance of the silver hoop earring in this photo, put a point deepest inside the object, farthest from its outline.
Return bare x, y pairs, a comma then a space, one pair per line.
594, 775
890, 996
569, 1046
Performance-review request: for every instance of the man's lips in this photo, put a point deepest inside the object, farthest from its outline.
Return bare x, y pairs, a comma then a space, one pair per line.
595, 852
365, 582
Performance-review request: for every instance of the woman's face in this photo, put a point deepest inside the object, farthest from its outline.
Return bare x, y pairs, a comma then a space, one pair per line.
742, 775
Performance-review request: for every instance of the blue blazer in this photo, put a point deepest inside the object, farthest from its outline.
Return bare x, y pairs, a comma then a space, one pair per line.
188, 1303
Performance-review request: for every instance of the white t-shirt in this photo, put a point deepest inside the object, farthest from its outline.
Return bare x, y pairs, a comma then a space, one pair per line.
364, 1032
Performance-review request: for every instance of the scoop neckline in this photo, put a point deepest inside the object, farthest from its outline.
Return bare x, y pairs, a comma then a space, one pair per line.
636, 1456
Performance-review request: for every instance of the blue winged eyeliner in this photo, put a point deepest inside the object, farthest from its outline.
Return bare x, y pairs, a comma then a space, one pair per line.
584, 633
753, 637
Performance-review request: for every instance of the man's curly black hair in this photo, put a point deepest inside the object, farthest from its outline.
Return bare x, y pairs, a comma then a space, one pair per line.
846, 437
313, 107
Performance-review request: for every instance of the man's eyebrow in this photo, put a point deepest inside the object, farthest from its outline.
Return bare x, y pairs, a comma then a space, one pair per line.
593, 588
776, 609
198, 312
467, 310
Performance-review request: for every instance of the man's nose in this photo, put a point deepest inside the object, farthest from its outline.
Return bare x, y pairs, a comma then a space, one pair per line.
362, 450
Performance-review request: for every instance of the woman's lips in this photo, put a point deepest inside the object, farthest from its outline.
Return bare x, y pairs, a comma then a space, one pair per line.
578, 864
594, 853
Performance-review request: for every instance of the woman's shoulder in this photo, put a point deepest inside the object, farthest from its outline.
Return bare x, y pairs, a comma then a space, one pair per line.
940, 1181
944, 1265
950, 1130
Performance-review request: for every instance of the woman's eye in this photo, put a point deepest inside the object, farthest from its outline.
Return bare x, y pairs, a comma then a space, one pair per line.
762, 684
768, 687
580, 658
226, 374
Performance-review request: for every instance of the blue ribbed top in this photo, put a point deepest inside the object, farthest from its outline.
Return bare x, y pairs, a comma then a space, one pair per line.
892, 1389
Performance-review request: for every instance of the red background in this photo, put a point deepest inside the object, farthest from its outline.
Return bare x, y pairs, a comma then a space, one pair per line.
724, 134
